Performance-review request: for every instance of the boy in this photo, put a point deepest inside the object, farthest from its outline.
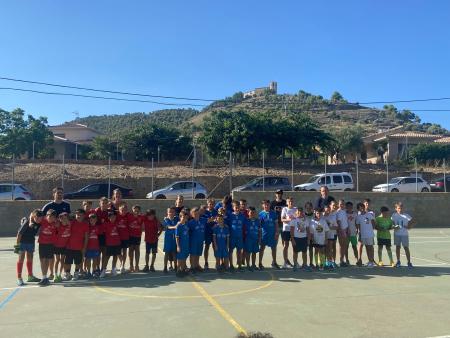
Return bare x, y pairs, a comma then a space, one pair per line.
63, 233
365, 222
112, 241
92, 254
299, 238
102, 217
124, 232
152, 229
76, 247
309, 214
318, 228
252, 237
353, 236
182, 240
343, 233
402, 223
287, 215
269, 227
209, 215
221, 239
25, 244
366, 203
244, 209
196, 237
383, 224
47, 237
135, 224
236, 223
87, 207
170, 246
330, 249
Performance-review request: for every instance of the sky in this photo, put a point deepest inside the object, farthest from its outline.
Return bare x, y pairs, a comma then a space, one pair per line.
367, 50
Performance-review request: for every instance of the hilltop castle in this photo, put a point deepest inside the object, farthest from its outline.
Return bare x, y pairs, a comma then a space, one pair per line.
272, 89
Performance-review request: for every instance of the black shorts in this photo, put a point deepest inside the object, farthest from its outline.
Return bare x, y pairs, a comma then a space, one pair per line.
135, 241
59, 251
73, 257
301, 244
384, 241
102, 240
286, 236
319, 246
113, 250
46, 251
151, 247
124, 244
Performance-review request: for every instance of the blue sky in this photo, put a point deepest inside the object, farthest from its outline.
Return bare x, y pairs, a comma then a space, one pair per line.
367, 50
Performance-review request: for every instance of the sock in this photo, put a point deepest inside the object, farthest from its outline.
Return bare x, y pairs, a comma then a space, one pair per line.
316, 259
19, 268
390, 255
30, 268
44, 276
380, 253
322, 259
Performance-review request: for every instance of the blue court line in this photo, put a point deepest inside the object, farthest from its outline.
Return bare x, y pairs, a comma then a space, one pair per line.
8, 299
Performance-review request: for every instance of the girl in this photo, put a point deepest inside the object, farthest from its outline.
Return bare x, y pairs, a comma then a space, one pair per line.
209, 215
221, 239
318, 228
170, 246
135, 224
152, 231
197, 238
93, 249
63, 236
182, 240
124, 233
330, 250
47, 237
252, 238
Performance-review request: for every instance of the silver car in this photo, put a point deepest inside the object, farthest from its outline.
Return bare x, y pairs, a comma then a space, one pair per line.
187, 189
16, 192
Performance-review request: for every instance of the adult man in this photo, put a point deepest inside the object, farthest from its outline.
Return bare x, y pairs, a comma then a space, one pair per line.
57, 204
278, 203
179, 204
324, 199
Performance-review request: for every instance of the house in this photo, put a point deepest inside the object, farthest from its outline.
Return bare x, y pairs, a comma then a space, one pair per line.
64, 148
262, 90
443, 140
75, 132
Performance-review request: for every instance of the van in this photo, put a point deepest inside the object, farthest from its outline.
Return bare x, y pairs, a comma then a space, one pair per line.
334, 182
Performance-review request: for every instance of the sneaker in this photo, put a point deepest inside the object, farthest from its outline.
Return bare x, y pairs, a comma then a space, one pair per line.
370, 265
343, 265
275, 265
103, 274
58, 279
232, 268
307, 268
123, 270
410, 265
67, 277
249, 268
380, 264
398, 265
285, 266
206, 267
288, 262
51, 277
240, 269
170, 268
334, 265
321, 268
359, 263
311, 265
296, 267
89, 275
261, 267
146, 269
114, 272
32, 279
20, 282
392, 265
152, 268
76, 276
44, 282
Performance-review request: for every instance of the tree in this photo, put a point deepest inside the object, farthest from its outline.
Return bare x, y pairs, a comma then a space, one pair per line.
429, 153
102, 148
348, 141
336, 97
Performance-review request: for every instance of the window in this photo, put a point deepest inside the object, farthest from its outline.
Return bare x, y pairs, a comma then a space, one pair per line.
5, 188
92, 188
285, 181
187, 185
410, 180
347, 179
337, 179
322, 180
177, 186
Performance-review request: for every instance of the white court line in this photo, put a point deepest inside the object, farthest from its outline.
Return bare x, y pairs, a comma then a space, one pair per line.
424, 242
427, 260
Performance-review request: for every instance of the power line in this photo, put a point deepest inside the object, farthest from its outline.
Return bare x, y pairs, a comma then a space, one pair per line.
407, 101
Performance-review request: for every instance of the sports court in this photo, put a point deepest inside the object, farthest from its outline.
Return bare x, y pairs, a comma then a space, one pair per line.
347, 302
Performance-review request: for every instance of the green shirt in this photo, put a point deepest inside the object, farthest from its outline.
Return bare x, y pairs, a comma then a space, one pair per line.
385, 224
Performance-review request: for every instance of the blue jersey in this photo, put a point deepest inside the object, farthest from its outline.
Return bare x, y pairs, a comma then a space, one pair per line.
169, 234
269, 222
197, 229
221, 234
236, 223
182, 232
252, 227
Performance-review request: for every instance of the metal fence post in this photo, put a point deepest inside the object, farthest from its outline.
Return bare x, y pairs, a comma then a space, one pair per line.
13, 178
62, 173
153, 178
445, 178
292, 170
109, 177
417, 183
264, 171
194, 158
326, 160
357, 173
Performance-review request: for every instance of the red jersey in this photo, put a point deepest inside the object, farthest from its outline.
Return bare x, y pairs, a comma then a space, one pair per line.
122, 226
151, 230
77, 236
102, 217
47, 232
62, 235
112, 234
135, 225
93, 238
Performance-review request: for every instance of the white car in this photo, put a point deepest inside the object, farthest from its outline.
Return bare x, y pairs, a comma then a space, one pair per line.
334, 182
16, 192
187, 189
403, 184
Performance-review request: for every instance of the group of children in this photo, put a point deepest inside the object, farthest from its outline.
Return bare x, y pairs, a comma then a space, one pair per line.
91, 237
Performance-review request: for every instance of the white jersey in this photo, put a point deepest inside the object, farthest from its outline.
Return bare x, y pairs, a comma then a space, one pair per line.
331, 220
365, 224
401, 223
319, 228
300, 226
341, 216
288, 213
351, 220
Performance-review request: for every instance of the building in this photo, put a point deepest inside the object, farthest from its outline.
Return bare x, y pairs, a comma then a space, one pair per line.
64, 148
75, 132
272, 89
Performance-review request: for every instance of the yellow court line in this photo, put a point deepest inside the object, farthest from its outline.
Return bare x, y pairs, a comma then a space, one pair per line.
219, 308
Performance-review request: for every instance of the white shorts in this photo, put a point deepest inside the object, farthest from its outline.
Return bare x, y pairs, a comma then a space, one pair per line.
367, 241
401, 240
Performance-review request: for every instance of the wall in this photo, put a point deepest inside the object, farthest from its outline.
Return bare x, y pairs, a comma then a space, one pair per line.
11, 212
429, 209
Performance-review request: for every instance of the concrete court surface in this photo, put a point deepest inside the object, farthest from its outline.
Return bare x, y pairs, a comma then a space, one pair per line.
349, 302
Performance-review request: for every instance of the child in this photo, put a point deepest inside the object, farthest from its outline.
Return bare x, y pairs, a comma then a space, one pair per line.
309, 214
170, 245
122, 219
353, 232
287, 215
236, 223
331, 219
47, 237
62, 238
244, 209
152, 229
318, 228
383, 224
343, 233
25, 244
135, 224
182, 240
87, 207
76, 247
269, 227
221, 239
209, 215
102, 217
112, 241
92, 254
197, 238
365, 222
299, 238
402, 223
366, 203
252, 238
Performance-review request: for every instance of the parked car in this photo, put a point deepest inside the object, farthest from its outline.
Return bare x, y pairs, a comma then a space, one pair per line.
185, 188
438, 185
334, 181
98, 190
16, 192
271, 183
403, 184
